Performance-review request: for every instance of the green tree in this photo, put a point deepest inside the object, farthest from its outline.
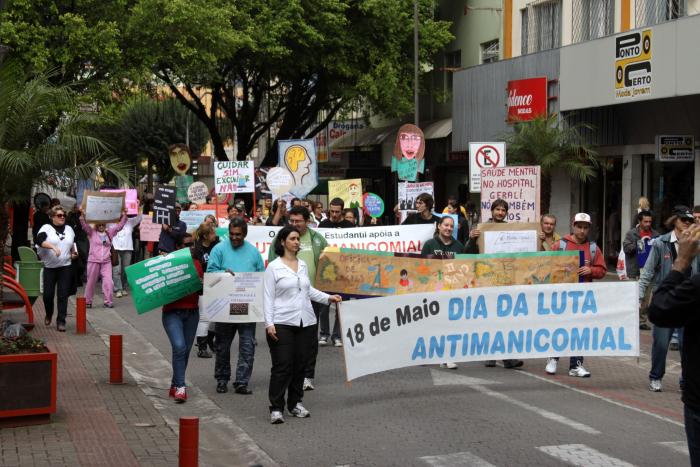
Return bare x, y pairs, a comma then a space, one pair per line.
552, 144
42, 136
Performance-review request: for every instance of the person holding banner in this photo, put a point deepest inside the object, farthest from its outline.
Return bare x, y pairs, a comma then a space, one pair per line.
171, 235
424, 206
289, 324
100, 258
549, 238
233, 256
279, 214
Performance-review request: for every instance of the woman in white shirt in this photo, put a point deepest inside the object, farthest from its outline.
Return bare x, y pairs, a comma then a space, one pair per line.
289, 323
56, 248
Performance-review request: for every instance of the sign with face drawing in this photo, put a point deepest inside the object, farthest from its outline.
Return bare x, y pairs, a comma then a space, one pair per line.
298, 157
409, 150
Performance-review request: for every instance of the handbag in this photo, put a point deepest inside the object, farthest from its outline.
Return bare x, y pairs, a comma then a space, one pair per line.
113, 255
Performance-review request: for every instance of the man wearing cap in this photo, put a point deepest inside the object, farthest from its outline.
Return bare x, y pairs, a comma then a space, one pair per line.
170, 235
663, 253
593, 268
637, 245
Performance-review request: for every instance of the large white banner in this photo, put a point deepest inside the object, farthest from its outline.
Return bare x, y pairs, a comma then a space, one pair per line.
490, 323
393, 238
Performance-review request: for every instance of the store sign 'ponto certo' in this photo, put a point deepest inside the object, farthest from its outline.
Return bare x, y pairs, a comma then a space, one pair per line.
633, 76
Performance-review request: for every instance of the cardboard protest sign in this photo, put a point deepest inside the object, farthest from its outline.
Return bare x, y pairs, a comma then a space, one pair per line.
502, 237
236, 298
197, 193
366, 273
299, 158
409, 150
162, 279
194, 218
533, 321
279, 181
518, 185
234, 177
182, 184
148, 231
180, 158
101, 207
408, 192
350, 191
131, 199
164, 205
373, 205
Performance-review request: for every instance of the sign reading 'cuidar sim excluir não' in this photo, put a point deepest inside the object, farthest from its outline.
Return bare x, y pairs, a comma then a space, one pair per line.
527, 99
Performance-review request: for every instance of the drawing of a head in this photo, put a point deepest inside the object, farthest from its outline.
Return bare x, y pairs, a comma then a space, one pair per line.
410, 143
354, 191
298, 162
180, 158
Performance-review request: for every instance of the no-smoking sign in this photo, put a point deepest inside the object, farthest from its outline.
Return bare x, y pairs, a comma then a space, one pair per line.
484, 156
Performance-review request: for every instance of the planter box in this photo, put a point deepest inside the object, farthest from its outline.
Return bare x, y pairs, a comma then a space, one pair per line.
27, 387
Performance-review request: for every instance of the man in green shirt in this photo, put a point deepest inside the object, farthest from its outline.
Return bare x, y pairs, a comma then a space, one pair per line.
311, 246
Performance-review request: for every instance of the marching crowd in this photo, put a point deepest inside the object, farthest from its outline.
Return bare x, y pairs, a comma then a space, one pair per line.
297, 315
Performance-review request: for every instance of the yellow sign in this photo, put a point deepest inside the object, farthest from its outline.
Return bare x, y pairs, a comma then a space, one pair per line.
633, 76
350, 191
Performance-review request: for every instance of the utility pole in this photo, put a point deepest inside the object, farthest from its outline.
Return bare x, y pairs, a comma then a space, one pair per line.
415, 59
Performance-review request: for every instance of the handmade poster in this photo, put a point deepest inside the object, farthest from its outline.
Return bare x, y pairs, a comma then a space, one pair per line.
148, 231
102, 207
409, 150
131, 199
408, 192
279, 181
194, 218
518, 185
233, 298
502, 237
373, 205
491, 323
366, 273
298, 157
182, 185
180, 158
234, 177
162, 279
262, 191
350, 191
164, 205
197, 193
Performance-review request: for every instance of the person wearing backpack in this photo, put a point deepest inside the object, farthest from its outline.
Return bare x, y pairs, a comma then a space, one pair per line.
593, 269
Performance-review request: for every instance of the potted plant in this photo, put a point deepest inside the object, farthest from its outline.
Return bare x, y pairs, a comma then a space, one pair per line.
27, 381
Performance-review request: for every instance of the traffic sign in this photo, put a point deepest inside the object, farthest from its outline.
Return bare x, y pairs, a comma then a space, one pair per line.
484, 156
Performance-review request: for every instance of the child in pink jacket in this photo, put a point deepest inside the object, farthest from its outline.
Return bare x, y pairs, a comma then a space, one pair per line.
100, 259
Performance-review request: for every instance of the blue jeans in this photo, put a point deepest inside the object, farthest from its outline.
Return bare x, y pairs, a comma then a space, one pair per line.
324, 321
225, 332
692, 433
180, 326
659, 350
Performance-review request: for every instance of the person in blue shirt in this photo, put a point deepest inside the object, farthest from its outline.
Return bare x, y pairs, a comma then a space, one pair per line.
235, 255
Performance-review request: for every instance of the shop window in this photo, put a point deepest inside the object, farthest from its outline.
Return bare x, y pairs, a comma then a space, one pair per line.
541, 26
650, 12
666, 185
489, 51
592, 19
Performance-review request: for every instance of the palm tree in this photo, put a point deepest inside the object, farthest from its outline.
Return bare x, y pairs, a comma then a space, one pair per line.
42, 136
546, 142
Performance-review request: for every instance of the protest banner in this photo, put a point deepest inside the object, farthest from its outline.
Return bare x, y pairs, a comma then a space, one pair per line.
180, 158
194, 218
350, 191
148, 231
518, 185
162, 279
408, 152
298, 156
373, 205
164, 205
131, 199
492, 323
234, 177
262, 190
408, 192
376, 273
502, 237
197, 193
101, 207
233, 298
279, 181
182, 184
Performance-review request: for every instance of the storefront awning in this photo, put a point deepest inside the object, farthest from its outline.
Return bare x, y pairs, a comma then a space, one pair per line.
365, 137
438, 129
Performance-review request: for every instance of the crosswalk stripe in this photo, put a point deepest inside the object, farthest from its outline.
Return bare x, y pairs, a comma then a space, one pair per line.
457, 459
678, 446
580, 454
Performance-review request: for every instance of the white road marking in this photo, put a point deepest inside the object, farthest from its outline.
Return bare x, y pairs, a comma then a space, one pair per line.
439, 376
606, 399
457, 459
678, 446
443, 378
580, 454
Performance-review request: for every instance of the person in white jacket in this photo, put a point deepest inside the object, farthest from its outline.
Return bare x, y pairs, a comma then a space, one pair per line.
123, 244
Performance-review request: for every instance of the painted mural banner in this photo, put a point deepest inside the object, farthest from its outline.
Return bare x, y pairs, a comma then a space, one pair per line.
491, 323
162, 279
518, 185
375, 274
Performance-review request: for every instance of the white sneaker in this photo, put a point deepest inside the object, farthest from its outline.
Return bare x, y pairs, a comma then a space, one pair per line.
299, 411
118, 294
124, 293
337, 342
308, 384
449, 365
655, 385
323, 340
551, 368
579, 372
276, 417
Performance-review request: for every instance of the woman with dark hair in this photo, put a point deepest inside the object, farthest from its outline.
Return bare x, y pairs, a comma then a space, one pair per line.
205, 240
289, 323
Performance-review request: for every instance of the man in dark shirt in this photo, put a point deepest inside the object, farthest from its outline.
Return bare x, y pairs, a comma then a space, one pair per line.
675, 304
278, 216
424, 206
170, 235
40, 218
335, 221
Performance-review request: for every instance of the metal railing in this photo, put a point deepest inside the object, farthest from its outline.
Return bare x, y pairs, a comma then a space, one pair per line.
650, 12
592, 19
541, 26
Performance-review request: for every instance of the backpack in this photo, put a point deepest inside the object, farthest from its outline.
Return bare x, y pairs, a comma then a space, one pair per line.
591, 245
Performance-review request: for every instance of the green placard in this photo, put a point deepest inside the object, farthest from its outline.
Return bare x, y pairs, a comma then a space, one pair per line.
163, 279
182, 183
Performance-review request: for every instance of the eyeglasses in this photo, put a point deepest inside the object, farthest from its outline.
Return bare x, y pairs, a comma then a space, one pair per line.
410, 137
60, 216
685, 220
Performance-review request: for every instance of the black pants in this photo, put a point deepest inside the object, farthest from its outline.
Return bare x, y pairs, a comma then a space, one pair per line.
290, 356
59, 281
310, 369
